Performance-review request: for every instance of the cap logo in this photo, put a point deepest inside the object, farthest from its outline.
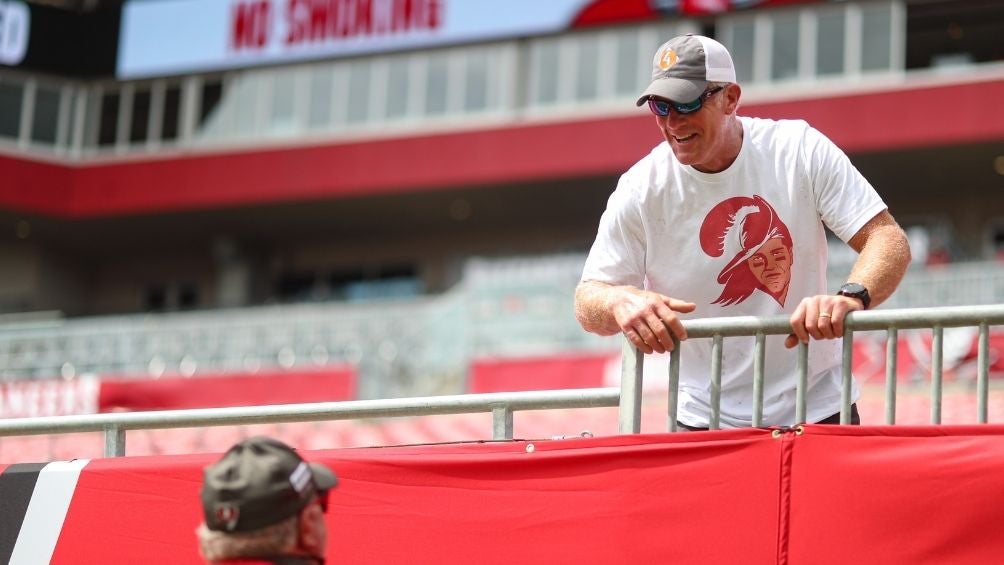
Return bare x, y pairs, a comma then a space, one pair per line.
301, 477
227, 515
667, 59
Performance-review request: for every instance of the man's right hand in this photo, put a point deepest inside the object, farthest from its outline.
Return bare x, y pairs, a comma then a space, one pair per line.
649, 319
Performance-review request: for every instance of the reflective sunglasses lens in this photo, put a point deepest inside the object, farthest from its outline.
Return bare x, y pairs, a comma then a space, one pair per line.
688, 107
658, 107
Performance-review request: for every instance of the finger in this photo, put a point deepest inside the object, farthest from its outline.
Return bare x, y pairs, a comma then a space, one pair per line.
648, 338
840, 310
812, 312
672, 323
837, 321
637, 341
680, 305
798, 323
824, 321
791, 341
663, 339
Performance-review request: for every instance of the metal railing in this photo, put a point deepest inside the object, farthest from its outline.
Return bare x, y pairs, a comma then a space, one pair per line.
500, 405
936, 319
628, 398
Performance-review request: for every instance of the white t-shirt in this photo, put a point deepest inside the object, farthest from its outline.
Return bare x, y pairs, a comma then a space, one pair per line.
747, 241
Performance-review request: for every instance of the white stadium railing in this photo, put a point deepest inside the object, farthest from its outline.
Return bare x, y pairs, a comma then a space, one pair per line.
628, 398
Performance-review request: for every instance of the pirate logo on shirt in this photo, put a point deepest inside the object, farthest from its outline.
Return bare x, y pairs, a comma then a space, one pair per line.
757, 244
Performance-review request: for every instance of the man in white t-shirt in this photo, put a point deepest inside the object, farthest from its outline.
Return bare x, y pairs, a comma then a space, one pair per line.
725, 218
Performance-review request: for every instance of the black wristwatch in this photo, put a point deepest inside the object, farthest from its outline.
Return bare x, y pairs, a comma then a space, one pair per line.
856, 290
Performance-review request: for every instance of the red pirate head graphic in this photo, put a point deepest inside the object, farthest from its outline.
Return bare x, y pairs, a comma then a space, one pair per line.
748, 232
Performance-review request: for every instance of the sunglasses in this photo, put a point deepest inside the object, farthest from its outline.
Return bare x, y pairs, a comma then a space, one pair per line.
661, 107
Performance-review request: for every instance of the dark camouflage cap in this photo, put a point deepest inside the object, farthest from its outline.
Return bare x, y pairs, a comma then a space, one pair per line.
259, 482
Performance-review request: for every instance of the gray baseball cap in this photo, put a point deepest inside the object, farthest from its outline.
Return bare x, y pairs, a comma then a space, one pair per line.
259, 482
684, 65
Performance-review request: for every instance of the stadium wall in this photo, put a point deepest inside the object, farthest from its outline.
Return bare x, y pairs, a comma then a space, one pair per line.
859, 122
822, 495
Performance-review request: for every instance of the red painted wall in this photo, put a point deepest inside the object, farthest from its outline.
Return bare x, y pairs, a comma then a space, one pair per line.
887, 120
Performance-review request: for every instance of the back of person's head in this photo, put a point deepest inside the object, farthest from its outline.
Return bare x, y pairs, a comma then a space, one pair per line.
258, 502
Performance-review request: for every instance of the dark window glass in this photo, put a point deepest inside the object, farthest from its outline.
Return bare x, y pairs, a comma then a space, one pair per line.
10, 109
46, 116
188, 296
212, 93
140, 116
156, 299
830, 45
109, 118
172, 103
295, 286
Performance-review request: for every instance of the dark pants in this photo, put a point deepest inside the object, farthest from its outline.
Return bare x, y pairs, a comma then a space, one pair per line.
834, 419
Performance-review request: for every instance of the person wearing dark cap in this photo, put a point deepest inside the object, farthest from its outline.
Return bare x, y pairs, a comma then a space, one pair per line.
262, 503
726, 218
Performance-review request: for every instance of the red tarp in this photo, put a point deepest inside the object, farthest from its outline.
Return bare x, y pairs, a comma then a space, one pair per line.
831, 495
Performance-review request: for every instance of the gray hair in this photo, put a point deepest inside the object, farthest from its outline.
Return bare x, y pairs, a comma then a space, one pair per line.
720, 84
263, 542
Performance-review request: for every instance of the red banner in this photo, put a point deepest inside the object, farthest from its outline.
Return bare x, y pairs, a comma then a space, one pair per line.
229, 389
91, 394
891, 495
538, 373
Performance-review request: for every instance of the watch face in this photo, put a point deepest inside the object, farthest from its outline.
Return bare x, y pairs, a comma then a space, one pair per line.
852, 288
856, 290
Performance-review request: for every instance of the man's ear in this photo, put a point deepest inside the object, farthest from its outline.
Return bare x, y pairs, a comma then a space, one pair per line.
313, 531
732, 94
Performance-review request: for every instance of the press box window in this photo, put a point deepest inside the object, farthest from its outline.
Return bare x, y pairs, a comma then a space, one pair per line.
140, 116
109, 118
212, 94
172, 102
46, 115
10, 109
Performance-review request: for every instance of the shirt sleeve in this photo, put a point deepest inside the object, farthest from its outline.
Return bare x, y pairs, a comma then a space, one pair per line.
845, 199
618, 253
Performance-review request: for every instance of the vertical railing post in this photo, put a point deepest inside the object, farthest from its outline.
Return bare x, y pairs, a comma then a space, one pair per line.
891, 362
846, 364
802, 366
501, 422
674, 385
937, 348
982, 372
629, 411
115, 442
717, 344
759, 354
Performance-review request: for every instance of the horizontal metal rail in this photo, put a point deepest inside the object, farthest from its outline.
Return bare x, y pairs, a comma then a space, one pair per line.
500, 405
891, 321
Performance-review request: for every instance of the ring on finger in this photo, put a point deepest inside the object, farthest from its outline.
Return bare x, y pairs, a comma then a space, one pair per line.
824, 314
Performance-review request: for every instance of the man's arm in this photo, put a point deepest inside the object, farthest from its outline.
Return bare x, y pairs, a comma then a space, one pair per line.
646, 318
883, 256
